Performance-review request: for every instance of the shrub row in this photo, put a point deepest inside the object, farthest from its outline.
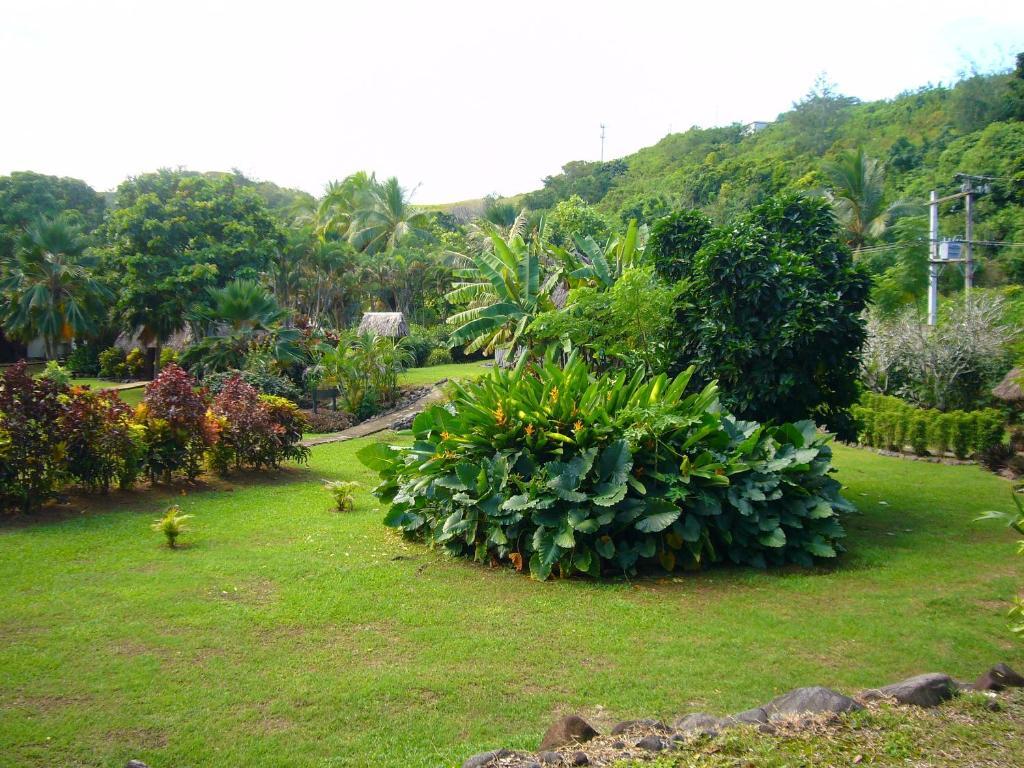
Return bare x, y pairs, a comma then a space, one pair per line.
893, 424
556, 471
52, 434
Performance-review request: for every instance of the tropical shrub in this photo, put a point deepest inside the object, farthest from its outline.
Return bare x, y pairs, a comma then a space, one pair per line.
178, 429
628, 325
171, 525
893, 424
364, 368
84, 360
951, 366
265, 383
343, 492
255, 431
111, 363
439, 356
168, 355
57, 373
102, 442
553, 470
31, 446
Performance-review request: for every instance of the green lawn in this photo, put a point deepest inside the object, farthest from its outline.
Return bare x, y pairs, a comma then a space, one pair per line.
131, 396
286, 634
418, 377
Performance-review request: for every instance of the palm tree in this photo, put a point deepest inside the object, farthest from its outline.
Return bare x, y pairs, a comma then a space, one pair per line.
858, 196
503, 290
236, 316
384, 218
49, 286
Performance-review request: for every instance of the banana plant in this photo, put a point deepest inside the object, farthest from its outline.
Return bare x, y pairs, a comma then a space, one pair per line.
503, 289
590, 264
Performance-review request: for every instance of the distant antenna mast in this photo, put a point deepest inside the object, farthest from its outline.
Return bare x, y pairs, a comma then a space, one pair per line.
602, 142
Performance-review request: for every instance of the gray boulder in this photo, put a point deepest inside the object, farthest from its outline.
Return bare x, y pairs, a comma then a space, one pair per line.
699, 723
571, 729
482, 759
749, 717
815, 700
550, 758
135, 764
652, 743
928, 690
999, 677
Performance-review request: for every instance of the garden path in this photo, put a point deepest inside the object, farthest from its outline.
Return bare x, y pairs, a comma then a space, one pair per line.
378, 424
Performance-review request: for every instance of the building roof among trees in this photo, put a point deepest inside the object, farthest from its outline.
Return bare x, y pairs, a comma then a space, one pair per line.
390, 324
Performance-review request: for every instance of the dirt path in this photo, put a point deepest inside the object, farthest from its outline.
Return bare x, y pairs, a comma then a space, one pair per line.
378, 424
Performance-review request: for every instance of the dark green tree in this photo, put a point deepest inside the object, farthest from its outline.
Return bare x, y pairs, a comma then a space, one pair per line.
172, 235
26, 197
770, 306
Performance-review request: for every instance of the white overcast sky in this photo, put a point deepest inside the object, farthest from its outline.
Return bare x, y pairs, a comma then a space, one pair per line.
458, 99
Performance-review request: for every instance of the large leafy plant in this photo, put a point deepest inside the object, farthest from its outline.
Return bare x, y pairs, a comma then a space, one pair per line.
552, 469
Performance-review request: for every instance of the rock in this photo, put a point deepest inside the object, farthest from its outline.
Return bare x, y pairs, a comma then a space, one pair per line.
999, 677
813, 700
625, 725
550, 758
928, 690
533, 765
135, 764
993, 706
766, 728
652, 743
571, 729
580, 758
478, 761
748, 717
618, 745
699, 723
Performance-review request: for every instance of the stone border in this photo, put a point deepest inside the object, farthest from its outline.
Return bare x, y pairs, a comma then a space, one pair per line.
572, 741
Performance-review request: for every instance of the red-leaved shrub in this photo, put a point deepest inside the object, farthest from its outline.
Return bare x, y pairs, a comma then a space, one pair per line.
178, 429
31, 444
256, 431
102, 442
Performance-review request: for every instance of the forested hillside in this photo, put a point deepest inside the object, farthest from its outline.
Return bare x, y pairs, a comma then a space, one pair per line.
919, 141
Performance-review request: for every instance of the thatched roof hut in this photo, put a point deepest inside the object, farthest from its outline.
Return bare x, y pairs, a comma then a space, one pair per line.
1011, 388
390, 324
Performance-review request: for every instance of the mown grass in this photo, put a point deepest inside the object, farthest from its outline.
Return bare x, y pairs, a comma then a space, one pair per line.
285, 634
418, 377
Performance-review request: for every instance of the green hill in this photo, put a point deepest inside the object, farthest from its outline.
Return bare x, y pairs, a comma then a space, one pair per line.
925, 137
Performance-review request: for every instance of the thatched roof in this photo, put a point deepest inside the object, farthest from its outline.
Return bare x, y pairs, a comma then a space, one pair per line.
1010, 389
391, 324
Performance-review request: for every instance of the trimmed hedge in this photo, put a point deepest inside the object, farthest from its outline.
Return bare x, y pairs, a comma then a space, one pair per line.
889, 423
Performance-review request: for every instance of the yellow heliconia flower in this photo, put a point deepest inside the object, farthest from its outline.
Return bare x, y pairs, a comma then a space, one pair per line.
499, 414
554, 394
445, 435
529, 429
577, 426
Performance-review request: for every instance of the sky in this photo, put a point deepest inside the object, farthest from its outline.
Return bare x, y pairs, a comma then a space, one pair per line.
457, 99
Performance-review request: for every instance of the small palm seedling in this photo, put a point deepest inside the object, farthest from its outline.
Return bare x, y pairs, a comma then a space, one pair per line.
172, 524
343, 492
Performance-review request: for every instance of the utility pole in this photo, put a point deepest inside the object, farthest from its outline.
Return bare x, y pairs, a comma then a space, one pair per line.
968, 237
602, 142
950, 252
933, 258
